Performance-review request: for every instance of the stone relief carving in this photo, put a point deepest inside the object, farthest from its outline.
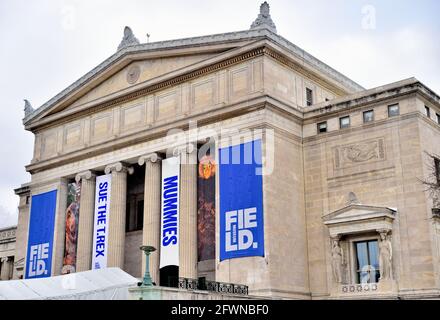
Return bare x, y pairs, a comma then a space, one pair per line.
359, 153
385, 255
264, 20
337, 260
128, 39
133, 74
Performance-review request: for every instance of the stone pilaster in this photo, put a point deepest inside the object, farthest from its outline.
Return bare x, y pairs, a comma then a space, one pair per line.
188, 212
86, 215
60, 228
22, 230
118, 199
152, 212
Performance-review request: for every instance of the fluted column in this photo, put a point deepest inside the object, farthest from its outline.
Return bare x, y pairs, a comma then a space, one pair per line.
5, 268
86, 218
152, 207
118, 199
188, 212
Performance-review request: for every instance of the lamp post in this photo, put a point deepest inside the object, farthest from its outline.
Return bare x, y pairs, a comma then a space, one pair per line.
147, 282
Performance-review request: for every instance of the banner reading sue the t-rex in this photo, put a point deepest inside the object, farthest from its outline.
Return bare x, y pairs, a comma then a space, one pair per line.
72, 221
206, 208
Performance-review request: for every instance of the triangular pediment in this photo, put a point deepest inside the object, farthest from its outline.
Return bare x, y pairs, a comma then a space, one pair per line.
358, 212
130, 68
137, 72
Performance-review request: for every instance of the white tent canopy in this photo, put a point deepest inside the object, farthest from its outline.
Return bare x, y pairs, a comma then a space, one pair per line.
104, 284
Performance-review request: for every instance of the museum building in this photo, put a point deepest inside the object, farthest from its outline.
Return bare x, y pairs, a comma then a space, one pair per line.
241, 159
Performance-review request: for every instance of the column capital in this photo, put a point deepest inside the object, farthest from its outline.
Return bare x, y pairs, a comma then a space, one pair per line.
185, 148
152, 157
85, 175
118, 167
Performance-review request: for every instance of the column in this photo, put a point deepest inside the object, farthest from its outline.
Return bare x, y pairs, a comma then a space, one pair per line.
22, 230
86, 218
118, 203
60, 228
4, 275
152, 212
188, 212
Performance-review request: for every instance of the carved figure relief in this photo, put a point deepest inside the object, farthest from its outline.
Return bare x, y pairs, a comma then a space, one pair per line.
385, 256
359, 153
337, 260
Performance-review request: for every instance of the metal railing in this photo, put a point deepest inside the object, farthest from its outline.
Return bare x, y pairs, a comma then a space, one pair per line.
213, 286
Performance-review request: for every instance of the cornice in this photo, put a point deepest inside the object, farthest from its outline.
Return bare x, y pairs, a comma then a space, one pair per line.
372, 96
195, 42
259, 48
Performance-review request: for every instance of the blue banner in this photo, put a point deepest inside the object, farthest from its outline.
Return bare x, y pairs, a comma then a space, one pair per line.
41, 233
241, 201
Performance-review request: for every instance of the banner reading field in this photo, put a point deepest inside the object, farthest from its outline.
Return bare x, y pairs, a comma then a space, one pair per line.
102, 215
169, 227
241, 201
41, 233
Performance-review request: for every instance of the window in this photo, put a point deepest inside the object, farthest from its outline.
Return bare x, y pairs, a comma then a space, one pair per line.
344, 122
368, 116
427, 112
367, 261
309, 97
134, 214
322, 127
438, 118
393, 110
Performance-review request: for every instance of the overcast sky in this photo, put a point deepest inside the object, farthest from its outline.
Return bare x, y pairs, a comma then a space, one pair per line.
45, 45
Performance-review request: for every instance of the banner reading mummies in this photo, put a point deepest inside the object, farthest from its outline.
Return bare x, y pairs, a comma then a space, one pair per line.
169, 222
72, 222
206, 208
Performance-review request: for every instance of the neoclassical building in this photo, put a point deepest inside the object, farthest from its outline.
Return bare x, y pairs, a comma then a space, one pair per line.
336, 210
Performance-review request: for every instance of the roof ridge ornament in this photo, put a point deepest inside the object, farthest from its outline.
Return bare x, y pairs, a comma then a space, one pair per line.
128, 39
352, 199
264, 21
27, 108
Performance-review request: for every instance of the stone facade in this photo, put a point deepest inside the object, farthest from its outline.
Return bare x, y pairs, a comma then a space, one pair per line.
7, 253
323, 191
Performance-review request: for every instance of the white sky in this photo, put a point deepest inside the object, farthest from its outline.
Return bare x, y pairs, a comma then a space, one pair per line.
48, 44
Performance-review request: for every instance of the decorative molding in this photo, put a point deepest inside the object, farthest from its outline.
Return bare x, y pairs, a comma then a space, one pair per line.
118, 167
152, 157
85, 175
357, 218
